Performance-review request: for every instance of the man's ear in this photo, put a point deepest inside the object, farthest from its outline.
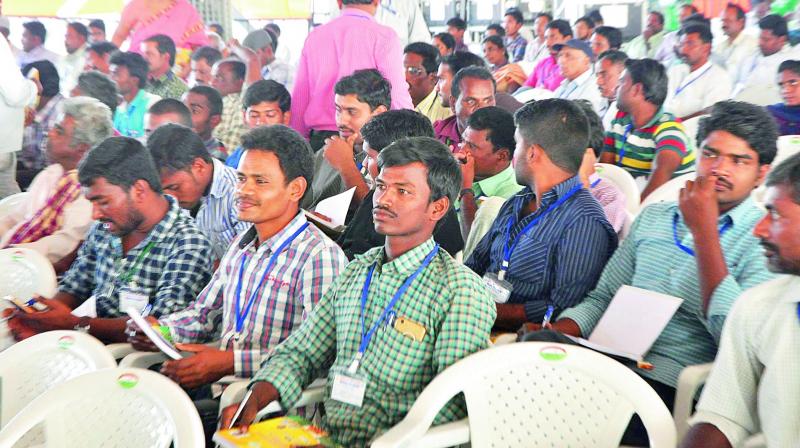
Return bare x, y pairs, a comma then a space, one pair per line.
138, 190
214, 121
379, 110
287, 117
504, 154
297, 188
439, 208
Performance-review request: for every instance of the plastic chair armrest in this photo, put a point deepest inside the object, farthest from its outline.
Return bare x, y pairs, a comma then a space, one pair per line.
689, 382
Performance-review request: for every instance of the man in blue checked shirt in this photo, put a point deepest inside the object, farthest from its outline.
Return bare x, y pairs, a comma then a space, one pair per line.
203, 186
143, 253
551, 240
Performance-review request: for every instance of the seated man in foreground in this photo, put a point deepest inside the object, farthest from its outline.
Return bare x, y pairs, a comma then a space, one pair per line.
421, 311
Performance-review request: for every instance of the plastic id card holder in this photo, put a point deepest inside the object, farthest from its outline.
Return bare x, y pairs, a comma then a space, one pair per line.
349, 387
129, 298
500, 289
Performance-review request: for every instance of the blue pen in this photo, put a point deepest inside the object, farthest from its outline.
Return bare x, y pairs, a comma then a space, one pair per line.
147, 309
547, 316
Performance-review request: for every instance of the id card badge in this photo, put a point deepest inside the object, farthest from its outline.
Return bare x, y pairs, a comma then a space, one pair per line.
129, 298
349, 387
500, 289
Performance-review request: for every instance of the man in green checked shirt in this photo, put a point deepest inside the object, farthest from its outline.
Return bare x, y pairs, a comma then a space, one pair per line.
396, 317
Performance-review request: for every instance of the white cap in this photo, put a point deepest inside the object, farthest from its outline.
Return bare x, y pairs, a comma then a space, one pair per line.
4, 23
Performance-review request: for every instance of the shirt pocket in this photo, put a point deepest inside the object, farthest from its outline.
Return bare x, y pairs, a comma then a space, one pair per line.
399, 360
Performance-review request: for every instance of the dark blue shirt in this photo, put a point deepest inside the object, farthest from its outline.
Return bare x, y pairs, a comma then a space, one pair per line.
560, 259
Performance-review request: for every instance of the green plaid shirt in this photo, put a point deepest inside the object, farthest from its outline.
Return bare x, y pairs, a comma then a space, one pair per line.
167, 86
448, 299
231, 127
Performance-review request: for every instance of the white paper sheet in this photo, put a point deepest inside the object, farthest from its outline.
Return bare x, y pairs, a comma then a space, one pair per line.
335, 207
86, 309
155, 336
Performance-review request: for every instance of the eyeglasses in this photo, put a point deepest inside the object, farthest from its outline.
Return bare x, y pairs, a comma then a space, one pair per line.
415, 71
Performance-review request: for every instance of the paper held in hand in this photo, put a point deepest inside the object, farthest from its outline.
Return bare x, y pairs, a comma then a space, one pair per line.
335, 208
154, 335
632, 323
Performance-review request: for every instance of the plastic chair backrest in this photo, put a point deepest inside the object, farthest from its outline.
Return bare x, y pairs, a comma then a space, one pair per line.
788, 145
116, 407
668, 191
624, 181
9, 203
25, 273
541, 394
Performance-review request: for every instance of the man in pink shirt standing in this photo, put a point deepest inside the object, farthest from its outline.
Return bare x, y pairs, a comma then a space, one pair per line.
547, 75
350, 42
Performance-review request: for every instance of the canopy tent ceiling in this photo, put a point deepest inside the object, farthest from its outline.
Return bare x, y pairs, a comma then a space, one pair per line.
248, 9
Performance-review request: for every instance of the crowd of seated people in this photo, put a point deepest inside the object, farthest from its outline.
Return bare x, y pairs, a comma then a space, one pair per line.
178, 174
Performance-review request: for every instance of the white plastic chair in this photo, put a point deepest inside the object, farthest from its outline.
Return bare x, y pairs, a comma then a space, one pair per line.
624, 181
626, 226
668, 191
788, 145
111, 408
33, 366
9, 203
535, 394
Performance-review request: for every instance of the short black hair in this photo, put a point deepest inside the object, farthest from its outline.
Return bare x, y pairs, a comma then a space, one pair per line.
384, 129
97, 85
212, 96
267, 91
444, 174
273, 36
586, 20
165, 44
121, 161
496, 40
615, 56
237, 67
546, 15
470, 73
497, 28
658, 15
515, 13
560, 25
447, 39
689, 5
559, 127
429, 53
775, 23
172, 106
134, 62
48, 76
787, 173
702, 31
595, 16
740, 15
749, 122
217, 28
79, 28
210, 54
272, 26
98, 23
102, 48
612, 35
36, 28
499, 124
652, 76
596, 130
369, 86
696, 18
291, 149
457, 22
174, 147
790, 65
462, 59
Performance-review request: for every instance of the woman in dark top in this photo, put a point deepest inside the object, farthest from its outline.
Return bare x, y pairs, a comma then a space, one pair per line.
787, 114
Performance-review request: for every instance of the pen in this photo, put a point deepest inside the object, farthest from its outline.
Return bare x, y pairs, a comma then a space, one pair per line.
241, 407
147, 309
547, 316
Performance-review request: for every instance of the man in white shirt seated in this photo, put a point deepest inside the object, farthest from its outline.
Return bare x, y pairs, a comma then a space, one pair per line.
755, 79
646, 44
575, 62
537, 47
753, 386
738, 46
608, 69
665, 54
697, 83
55, 217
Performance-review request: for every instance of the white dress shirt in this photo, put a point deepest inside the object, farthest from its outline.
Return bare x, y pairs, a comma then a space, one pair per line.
757, 78
584, 87
753, 386
666, 51
731, 54
405, 18
16, 92
37, 54
609, 113
70, 67
690, 92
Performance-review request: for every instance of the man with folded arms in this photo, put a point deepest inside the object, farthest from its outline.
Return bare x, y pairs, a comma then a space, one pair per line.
421, 310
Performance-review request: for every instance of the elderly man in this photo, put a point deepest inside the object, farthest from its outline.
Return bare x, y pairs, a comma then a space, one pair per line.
608, 69
575, 62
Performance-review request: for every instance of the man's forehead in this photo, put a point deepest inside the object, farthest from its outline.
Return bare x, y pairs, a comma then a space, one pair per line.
349, 100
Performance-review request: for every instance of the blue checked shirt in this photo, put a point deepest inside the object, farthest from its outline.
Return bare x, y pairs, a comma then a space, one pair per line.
171, 274
559, 260
217, 217
301, 275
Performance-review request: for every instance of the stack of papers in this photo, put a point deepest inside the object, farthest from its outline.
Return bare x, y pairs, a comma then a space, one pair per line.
334, 209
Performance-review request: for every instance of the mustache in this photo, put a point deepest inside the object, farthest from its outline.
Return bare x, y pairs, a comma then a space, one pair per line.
725, 182
769, 246
385, 209
239, 201
345, 128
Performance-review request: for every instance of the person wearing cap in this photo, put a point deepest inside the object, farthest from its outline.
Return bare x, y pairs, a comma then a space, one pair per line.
261, 59
575, 62
5, 30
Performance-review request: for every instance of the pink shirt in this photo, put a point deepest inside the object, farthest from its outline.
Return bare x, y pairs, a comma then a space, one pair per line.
350, 42
546, 75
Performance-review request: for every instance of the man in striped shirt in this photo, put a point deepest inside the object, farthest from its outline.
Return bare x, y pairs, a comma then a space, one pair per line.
271, 277
202, 185
648, 142
700, 249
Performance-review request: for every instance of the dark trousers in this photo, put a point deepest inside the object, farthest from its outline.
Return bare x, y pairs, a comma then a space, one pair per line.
635, 434
317, 138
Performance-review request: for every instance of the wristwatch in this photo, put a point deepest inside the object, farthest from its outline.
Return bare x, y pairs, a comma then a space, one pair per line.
83, 324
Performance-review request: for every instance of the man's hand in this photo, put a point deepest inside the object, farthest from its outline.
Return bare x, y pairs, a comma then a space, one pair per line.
263, 394
339, 152
698, 204
16, 327
137, 337
467, 165
205, 367
57, 317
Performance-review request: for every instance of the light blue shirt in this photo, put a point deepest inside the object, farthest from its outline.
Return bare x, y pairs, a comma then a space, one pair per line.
217, 217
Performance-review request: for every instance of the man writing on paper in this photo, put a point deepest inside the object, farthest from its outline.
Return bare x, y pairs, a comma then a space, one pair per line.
700, 249
420, 310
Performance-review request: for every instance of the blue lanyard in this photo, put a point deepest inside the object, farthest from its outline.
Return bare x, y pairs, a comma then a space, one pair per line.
240, 317
724, 228
594, 184
683, 87
367, 337
624, 142
508, 249
798, 310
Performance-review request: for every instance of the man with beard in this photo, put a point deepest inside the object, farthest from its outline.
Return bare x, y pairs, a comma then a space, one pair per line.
753, 387
71, 65
143, 253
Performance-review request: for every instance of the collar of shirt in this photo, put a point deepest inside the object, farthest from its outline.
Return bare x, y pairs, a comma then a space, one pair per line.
355, 12
405, 264
578, 82
691, 76
163, 79
491, 185
789, 295
628, 119
248, 239
735, 215
448, 129
549, 197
